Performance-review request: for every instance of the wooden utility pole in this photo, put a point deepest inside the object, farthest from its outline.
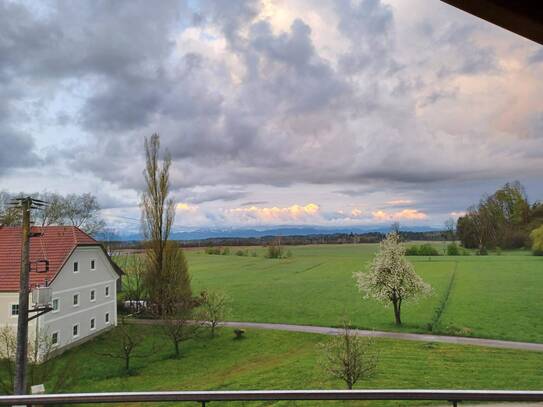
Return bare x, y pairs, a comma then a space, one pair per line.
24, 288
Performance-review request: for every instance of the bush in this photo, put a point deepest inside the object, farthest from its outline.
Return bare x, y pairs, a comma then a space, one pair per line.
422, 250
240, 253
537, 241
453, 250
412, 251
226, 251
275, 251
498, 251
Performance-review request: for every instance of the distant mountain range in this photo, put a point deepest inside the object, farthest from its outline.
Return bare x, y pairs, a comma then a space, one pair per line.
211, 233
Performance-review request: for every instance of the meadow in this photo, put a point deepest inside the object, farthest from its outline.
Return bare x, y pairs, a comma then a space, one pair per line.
494, 296
281, 360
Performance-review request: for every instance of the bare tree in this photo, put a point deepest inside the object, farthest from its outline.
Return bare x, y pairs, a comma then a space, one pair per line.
134, 289
128, 340
213, 309
42, 366
53, 213
177, 325
9, 216
82, 211
349, 357
391, 278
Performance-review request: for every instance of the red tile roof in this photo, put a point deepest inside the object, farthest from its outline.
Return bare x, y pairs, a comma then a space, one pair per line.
55, 243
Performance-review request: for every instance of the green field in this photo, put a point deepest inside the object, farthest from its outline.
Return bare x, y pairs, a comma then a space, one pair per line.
281, 360
491, 296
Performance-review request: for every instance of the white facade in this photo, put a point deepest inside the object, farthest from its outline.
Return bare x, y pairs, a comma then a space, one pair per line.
84, 300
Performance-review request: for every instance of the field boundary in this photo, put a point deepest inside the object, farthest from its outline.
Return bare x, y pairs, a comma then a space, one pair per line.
324, 330
440, 309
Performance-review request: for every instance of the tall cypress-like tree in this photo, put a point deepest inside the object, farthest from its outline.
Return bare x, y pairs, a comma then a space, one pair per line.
167, 279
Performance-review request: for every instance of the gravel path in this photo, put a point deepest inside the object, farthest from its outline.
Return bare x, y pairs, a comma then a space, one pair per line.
458, 340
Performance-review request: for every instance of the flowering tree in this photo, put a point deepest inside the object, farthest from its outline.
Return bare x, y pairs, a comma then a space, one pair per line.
391, 278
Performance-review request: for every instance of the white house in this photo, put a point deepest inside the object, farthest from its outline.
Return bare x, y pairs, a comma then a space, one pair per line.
82, 277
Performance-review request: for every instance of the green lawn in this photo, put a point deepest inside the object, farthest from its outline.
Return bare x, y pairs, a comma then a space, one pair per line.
492, 296
281, 360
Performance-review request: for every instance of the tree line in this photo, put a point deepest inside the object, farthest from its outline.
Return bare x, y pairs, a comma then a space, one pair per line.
80, 210
504, 219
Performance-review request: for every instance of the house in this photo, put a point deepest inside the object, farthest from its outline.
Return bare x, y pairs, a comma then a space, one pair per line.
82, 277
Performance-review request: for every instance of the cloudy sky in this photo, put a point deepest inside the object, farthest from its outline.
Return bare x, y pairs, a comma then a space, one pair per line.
275, 112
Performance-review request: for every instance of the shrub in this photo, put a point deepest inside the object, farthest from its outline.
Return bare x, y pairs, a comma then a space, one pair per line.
240, 253
226, 251
422, 250
427, 250
412, 251
537, 241
275, 251
498, 251
453, 250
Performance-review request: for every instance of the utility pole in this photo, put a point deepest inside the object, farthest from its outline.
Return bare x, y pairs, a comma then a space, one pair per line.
26, 204
24, 288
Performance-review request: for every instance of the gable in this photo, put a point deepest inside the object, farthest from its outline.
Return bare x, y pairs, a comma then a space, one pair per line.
104, 271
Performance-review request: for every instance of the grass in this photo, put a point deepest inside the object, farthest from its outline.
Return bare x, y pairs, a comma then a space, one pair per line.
281, 360
492, 296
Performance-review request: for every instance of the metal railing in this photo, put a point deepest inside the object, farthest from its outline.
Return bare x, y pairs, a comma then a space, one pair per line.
203, 397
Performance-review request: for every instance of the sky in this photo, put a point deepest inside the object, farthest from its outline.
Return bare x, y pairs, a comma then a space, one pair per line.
298, 112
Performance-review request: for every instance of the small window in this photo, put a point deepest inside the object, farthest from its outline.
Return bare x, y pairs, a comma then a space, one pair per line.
14, 310
93, 295
76, 267
55, 305
93, 265
75, 330
54, 338
107, 291
92, 324
107, 317
76, 300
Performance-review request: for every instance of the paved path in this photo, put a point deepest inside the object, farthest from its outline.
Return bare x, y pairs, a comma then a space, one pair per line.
458, 340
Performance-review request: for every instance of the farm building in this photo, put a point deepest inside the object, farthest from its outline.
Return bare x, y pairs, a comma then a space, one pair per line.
82, 278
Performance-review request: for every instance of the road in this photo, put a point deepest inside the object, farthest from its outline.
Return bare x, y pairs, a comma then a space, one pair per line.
323, 330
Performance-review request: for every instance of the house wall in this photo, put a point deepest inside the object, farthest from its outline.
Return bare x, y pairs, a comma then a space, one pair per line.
68, 283
6, 319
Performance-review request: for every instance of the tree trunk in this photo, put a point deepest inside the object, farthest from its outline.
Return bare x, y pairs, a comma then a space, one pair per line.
397, 312
176, 349
127, 363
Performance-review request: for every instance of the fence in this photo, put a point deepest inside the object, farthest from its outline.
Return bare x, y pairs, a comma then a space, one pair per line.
203, 397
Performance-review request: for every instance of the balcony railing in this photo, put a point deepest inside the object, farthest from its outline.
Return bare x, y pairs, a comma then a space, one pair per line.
203, 397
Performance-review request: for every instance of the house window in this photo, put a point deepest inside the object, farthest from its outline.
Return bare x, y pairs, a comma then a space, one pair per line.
76, 267
75, 330
93, 295
14, 310
92, 265
55, 305
76, 300
54, 338
107, 317
107, 291
92, 324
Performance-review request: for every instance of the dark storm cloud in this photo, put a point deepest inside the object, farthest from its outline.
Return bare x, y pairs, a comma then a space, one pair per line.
16, 150
240, 101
